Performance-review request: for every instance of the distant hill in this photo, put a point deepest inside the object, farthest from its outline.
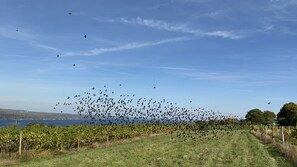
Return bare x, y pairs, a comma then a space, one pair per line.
22, 114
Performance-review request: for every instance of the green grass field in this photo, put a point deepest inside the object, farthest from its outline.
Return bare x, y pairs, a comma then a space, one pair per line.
240, 149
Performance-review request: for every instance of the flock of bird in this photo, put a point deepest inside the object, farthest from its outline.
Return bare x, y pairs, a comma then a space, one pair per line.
106, 107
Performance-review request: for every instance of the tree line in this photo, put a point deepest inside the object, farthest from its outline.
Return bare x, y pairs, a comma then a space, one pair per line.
287, 116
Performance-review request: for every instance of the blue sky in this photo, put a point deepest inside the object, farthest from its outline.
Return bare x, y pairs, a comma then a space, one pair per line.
229, 56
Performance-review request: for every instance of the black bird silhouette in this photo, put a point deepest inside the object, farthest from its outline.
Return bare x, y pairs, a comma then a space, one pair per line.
268, 102
73, 64
85, 36
58, 55
16, 30
70, 13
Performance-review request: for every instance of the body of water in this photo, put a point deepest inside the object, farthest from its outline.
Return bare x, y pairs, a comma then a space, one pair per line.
21, 123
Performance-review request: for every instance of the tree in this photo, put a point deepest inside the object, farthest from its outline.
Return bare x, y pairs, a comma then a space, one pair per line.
268, 117
255, 116
288, 114
230, 121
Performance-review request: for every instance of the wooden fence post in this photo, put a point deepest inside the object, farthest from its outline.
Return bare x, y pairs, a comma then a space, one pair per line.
283, 135
272, 131
265, 132
20, 145
78, 144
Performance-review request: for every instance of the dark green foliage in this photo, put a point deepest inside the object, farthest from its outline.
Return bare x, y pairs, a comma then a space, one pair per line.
42, 137
288, 114
9, 138
255, 116
269, 117
230, 121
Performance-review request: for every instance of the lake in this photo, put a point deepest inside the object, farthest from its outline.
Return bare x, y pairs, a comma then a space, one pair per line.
22, 123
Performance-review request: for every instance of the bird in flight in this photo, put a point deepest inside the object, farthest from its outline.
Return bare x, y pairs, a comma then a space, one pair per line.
70, 13
85, 36
73, 65
58, 55
268, 102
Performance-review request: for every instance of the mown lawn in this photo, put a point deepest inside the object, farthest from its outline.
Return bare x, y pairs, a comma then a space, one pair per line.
240, 149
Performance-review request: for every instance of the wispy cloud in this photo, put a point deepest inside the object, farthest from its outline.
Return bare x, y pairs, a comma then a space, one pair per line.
181, 28
281, 4
17, 56
129, 46
245, 79
12, 33
212, 76
191, 1
46, 47
173, 68
195, 74
273, 99
25, 35
215, 13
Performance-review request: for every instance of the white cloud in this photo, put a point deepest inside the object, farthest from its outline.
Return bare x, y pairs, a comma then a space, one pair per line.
213, 14
212, 76
224, 34
281, 4
268, 27
208, 75
25, 35
174, 68
191, 1
273, 99
45, 46
158, 24
181, 28
129, 46
12, 33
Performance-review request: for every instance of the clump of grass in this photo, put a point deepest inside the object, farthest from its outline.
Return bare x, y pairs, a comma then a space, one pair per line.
8, 159
28, 155
288, 150
9, 162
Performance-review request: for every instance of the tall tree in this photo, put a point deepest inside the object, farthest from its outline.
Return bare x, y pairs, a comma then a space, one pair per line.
255, 116
269, 117
288, 114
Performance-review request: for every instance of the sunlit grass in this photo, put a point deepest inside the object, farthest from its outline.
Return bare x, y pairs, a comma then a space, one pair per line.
240, 149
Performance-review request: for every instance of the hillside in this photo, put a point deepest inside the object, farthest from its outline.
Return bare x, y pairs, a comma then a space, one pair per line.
6, 114
162, 151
